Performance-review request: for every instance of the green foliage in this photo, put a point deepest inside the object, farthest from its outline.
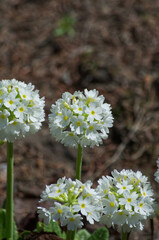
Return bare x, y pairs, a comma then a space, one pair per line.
82, 235
65, 26
52, 227
2, 142
3, 226
15, 232
100, 234
23, 234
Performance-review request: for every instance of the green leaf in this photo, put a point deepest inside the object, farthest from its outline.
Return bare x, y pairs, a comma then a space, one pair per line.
1, 142
39, 227
59, 32
65, 26
52, 227
15, 232
82, 235
2, 223
3, 226
23, 234
100, 234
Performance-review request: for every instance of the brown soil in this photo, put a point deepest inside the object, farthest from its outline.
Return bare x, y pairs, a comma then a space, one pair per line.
42, 236
115, 49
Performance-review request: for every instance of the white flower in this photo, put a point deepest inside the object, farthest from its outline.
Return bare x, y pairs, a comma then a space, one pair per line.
82, 118
44, 214
124, 186
157, 172
78, 125
21, 110
79, 107
70, 139
127, 200
4, 118
94, 113
143, 207
11, 101
93, 215
84, 205
119, 217
103, 187
73, 221
73, 200
59, 212
63, 118
110, 204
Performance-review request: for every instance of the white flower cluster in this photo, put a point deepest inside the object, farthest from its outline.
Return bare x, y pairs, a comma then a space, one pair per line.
126, 199
73, 200
80, 118
157, 172
21, 109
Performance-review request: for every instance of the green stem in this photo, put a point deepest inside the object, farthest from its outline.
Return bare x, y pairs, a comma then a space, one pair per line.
124, 235
9, 202
70, 235
79, 163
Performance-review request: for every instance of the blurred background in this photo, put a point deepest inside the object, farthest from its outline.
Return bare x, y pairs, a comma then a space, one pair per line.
66, 45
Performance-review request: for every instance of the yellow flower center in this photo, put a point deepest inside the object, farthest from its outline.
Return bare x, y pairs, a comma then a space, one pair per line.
144, 194
24, 96
91, 128
10, 102
80, 109
112, 204
59, 211
65, 118
1, 100
93, 112
141, 204
120, 213
124, 187
78, 123
82, 205
129, 200
72, 219
14, 123
105, 191
3, 116
58, 191
71, 134
21, 109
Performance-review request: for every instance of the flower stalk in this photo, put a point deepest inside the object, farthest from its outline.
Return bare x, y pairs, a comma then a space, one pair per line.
9, 202
79, 162
70, 235
124, 235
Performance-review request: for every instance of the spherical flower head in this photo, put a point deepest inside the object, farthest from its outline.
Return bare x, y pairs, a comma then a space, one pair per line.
80, 118
72, 200
21, 110
127, 200
157, 172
